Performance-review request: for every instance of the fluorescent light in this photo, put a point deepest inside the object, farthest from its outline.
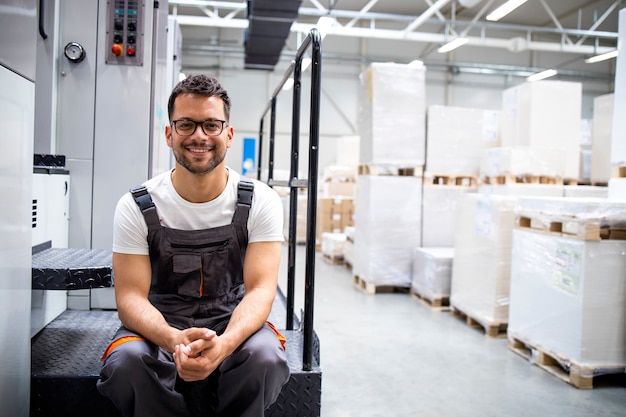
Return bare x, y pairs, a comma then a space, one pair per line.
601, 57
452, 45
505, 9
323, 24
288, 84
542, 75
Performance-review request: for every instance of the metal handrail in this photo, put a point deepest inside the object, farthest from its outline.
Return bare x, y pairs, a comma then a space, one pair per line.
313, 40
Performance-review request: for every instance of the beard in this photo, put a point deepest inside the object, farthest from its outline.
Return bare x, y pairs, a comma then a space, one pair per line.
192, 164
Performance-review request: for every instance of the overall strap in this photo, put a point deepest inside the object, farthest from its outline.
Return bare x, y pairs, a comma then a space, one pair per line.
146, 205
245, 191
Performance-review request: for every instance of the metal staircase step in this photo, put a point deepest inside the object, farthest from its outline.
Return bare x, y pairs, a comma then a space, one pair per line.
66, 365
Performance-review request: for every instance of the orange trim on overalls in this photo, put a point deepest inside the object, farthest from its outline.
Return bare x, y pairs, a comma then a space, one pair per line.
280, 337
118, 342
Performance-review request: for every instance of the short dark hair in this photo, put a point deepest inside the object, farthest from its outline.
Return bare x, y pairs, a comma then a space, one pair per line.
202, 85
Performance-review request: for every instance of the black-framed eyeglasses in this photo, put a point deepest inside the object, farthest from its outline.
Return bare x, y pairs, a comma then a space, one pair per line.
210, 127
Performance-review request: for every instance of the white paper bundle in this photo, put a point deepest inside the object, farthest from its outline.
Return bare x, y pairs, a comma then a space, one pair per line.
387, 228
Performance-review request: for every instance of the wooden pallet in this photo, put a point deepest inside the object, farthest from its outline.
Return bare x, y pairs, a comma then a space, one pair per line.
437, 302
618, 171
492, 329
334, 259
372, 288
585, 183
521, 179
584, 229
451, 180
390, 169
578, 375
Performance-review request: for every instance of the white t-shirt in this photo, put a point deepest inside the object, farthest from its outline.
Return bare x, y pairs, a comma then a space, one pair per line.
130, 231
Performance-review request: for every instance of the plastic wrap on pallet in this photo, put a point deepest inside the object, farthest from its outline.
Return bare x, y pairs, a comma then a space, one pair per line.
544, 190
340, 173
482, 257
618, 144
392, 114
387, 227
577, 191
544, 115
602, 129
568, 299
617, 189
432, 272
333, 245
572, 214
439, 214
523, 161
456, 136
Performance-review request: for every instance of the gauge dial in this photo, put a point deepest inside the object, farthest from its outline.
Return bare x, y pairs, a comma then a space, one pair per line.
74, 52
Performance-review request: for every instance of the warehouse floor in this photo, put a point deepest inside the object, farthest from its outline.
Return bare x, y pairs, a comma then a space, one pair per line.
392, 355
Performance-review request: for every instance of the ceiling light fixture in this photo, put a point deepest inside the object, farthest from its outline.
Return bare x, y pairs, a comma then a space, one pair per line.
452, 45
542, 75
602, 57
505, 9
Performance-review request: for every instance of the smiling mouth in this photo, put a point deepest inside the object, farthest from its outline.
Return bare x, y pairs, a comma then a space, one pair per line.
199, 150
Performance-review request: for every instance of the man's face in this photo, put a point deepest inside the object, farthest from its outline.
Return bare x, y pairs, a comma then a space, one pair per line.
199, 153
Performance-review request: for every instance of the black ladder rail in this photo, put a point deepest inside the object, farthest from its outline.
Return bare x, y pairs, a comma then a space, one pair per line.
313, 40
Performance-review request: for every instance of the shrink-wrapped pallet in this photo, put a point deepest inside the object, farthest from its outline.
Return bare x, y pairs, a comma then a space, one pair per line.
482, 258
432, 274
602, 131
392, 115
333, 245
543, 190
456, 137
439, 213
579, 191
544, 115
387, 227
568, 285
617, 189
508, 163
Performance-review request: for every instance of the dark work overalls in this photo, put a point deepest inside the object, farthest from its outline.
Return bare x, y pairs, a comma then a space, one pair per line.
197, 281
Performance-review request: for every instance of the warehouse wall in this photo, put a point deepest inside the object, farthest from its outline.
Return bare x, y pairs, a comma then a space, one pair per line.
344, 59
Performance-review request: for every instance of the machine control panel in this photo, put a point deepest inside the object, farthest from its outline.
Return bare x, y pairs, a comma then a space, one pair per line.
125, 35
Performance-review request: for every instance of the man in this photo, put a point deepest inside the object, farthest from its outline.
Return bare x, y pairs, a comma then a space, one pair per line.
196, 254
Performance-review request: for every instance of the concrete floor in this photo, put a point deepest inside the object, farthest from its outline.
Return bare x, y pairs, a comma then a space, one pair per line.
392, 355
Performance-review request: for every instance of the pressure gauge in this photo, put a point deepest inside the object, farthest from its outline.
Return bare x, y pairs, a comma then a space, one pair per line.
75, 52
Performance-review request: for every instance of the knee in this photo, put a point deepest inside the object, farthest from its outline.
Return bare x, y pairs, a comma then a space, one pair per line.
125, 360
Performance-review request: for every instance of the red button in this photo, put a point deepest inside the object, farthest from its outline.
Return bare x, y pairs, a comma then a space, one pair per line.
130, 51
117, 49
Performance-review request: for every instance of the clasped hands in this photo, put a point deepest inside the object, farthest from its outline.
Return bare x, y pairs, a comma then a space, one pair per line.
199, 354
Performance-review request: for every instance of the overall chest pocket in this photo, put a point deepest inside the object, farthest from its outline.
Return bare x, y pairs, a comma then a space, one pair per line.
201, 269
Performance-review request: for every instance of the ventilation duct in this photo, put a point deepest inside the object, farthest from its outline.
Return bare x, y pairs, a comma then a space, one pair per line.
269, 25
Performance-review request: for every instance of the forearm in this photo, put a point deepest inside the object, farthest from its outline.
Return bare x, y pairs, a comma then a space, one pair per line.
140, 316
249, 316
